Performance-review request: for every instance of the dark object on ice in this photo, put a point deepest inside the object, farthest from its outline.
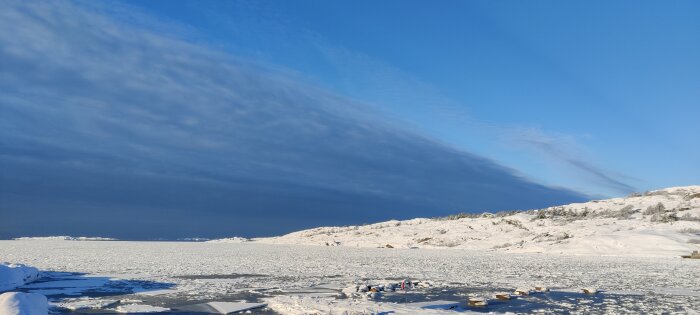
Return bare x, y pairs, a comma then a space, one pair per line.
694, 255
407, 284
389, 246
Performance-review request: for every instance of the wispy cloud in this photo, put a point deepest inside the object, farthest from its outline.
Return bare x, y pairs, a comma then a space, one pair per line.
567, 150
103, 119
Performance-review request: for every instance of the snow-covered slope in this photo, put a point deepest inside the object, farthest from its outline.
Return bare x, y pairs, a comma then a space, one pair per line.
657, 223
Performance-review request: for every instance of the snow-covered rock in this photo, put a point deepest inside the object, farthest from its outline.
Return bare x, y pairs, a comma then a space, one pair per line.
18, 303
15, 275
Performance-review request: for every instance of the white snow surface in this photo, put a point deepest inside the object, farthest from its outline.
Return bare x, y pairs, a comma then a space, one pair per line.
18, 303
15, 275
629, 226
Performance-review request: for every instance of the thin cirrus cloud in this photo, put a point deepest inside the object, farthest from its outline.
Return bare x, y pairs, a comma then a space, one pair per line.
566, 150
117, 130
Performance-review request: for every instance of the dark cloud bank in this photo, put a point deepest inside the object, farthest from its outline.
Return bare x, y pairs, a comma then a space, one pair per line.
114, 130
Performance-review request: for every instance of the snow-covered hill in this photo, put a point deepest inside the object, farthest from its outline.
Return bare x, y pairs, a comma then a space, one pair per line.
657, 223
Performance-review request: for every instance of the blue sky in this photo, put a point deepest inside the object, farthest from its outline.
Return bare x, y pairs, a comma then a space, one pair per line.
213, 118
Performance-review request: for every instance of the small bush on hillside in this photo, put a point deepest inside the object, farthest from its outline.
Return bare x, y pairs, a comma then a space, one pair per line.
552, 237
563, 236
566, 214
503, 246
692, 196
664, 218
625, 213
540, 215
655, 209
460, 215
688, 217
423, 240
506, 213
514, 223
463, 215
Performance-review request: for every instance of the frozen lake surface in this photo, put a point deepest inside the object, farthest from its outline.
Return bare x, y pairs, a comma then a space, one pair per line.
104, 277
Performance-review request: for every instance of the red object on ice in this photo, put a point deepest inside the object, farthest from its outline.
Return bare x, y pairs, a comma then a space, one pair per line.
403, 285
